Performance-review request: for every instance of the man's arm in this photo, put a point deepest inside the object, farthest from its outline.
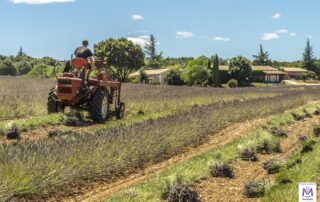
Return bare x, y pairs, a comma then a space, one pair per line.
91, 59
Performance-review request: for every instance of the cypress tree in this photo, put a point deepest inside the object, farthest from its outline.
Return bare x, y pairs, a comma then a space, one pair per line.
151, 51
308, 59
216, 72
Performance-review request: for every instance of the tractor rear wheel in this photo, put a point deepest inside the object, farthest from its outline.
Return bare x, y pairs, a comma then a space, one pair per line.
53, 105
99, 107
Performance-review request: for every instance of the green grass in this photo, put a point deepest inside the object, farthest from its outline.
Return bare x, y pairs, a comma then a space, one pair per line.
26, 97
198, 167
49, 164
151, 110
30, 124
288, 117
175, 119
305, 171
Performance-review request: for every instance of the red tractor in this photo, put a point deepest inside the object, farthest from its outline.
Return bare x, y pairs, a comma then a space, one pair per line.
96, 95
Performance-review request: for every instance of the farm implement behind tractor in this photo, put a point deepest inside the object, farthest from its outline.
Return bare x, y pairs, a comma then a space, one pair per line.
99, 96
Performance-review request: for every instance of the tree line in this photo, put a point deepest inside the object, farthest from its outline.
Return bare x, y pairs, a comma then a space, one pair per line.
23, 64
122, 57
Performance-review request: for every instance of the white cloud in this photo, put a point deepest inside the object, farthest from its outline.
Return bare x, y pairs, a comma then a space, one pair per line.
276, 34
281, 31
138, 41
270, 36
40, 1
276, 16
184, 35
142, 40
141, 31
219, 38
137, 17
293, 34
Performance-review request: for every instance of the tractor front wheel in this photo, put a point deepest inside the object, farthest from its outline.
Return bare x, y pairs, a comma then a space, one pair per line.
53, 105
99, 107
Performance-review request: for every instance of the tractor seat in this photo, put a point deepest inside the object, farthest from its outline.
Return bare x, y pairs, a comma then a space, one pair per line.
79, 63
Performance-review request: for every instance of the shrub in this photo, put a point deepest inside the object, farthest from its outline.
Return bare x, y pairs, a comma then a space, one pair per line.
221, 170
316, 131
268, 146
181, 192
59, 133
306, 113
317, 112
308, 75
303, 138
73, 119
283, 177
294, 161
277, 147
40, 71
307, 146
143, 77
277, 132
140, 112
272, 166
23, 67
174, 77
254, 189
7, 68
240, 68
248, 155
196, 73
232, 83
12, 132
297, 117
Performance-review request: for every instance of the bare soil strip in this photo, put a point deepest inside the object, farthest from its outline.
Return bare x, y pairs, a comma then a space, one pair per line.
100, 190
220, 189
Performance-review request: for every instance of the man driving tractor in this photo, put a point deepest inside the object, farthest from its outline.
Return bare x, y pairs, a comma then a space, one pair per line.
85, 53
78, 91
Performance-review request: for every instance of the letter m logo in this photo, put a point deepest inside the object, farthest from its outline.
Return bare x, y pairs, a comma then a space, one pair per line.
307, 192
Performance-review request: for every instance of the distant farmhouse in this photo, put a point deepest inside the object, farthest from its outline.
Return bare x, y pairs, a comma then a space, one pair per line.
294, 72
265, 74
155, 76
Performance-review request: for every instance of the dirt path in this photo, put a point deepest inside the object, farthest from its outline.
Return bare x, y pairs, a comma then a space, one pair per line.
220, 189
101, 190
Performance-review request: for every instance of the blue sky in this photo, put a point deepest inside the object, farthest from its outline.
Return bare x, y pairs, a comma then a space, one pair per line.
182, 27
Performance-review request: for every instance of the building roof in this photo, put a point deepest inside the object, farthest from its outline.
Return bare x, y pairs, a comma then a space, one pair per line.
294, 69
277, 72
264, 68
254, 68
151, 72
223, 67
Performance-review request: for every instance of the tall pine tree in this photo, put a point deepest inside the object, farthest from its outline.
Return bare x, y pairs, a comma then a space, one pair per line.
152, 52
21, 52
262, 58
308, 58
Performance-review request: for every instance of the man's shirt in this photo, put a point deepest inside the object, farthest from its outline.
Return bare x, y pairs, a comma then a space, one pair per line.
83, 52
